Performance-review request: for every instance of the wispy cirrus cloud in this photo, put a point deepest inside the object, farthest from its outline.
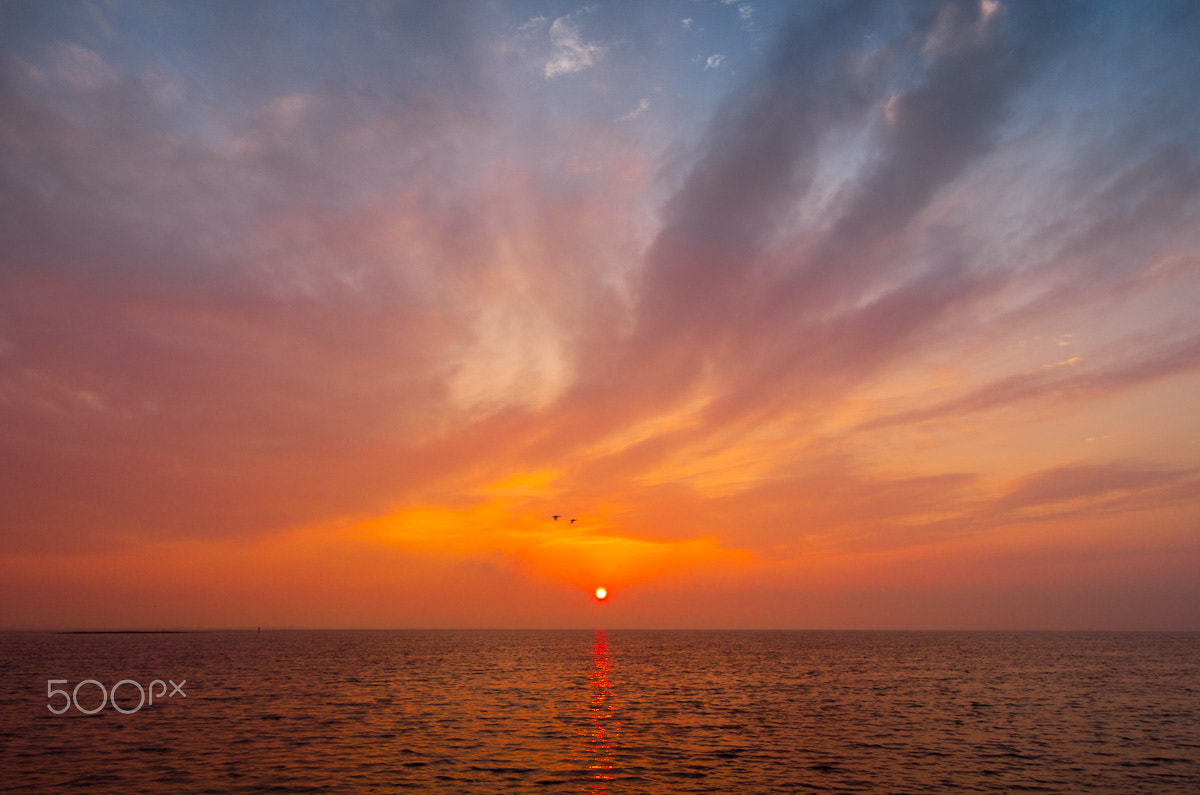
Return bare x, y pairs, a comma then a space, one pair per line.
642, 106
1073, 379
571, 53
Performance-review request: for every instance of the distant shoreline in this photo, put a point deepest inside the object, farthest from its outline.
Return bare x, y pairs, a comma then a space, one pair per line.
129, 632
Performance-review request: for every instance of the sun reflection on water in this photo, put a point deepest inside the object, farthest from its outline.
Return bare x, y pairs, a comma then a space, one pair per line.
602, 728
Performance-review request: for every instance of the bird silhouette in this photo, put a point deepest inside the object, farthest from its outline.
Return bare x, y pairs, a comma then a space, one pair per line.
556, 518
572, 521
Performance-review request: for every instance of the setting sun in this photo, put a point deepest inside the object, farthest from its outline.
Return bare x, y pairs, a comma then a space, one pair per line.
601, 594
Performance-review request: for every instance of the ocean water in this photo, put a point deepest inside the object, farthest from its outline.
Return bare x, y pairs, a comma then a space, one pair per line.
601, 712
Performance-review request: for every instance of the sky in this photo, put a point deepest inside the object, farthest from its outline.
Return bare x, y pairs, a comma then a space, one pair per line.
811, 315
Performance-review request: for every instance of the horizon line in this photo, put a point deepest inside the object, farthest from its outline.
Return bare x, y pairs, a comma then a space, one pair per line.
255, 630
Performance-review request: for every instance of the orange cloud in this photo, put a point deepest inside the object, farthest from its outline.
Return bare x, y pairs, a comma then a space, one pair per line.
582, 553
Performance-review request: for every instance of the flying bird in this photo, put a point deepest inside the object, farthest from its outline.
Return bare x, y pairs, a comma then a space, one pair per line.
556, 518
572, 521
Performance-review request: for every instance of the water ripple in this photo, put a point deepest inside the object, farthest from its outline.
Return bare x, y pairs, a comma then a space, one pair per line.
614, 712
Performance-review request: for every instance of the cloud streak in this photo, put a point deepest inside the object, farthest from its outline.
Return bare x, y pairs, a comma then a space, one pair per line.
570, 52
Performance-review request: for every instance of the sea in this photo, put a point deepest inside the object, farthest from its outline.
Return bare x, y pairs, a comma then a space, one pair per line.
599, 712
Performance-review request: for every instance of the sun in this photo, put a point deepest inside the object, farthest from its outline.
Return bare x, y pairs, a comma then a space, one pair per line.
601, 594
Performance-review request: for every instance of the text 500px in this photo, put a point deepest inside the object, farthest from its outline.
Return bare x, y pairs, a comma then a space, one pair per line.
72, 698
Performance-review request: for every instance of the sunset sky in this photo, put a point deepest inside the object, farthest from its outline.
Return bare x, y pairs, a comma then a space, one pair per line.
812, 315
